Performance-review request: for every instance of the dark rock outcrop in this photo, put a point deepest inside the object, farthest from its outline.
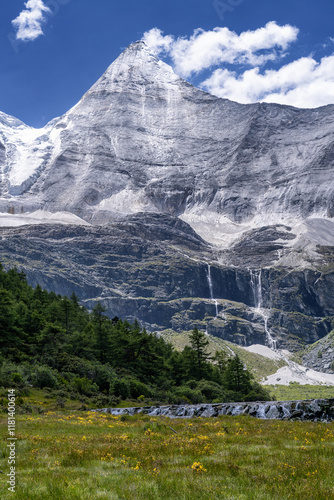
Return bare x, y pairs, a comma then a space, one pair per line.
154, 267
320, 356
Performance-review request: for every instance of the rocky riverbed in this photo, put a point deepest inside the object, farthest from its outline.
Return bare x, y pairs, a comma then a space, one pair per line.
315, 409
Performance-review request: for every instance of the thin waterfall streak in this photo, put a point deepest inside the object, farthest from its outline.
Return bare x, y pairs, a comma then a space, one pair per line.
272, 343
259, 289
210, 282
256, 285
215, 301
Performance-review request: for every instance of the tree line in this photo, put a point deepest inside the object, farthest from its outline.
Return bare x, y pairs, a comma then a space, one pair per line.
51, 341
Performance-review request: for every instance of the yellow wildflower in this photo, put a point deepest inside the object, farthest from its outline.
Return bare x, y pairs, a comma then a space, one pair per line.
198, 467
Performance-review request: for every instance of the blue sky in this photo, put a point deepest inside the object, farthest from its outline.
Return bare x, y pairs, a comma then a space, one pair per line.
44, 76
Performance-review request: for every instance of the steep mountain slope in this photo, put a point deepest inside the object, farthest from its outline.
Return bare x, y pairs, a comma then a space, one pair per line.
142, 139
177, 207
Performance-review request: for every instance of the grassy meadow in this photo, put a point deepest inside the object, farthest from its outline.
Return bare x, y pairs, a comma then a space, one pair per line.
70, 454
295, 391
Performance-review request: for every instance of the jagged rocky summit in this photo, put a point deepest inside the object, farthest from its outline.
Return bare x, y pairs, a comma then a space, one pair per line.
316, 410
176, 207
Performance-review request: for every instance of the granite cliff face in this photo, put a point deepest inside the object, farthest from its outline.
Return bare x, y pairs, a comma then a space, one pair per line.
176, 207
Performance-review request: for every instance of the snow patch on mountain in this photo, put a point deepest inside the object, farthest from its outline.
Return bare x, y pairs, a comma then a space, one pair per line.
26, 157
292, 372
263, 351
286, 375
40, 217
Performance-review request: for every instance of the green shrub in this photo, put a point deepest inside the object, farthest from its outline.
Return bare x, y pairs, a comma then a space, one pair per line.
121, 388
84, 386
11, 375
137, 389
16, 378
192, 384
104, 376
44, 376
185, 395
210, 390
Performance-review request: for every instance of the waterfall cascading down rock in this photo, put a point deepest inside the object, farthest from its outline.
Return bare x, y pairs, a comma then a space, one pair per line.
215, 301
256, 285
272, 343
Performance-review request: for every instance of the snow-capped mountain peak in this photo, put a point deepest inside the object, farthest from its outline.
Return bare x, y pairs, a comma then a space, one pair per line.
144, 140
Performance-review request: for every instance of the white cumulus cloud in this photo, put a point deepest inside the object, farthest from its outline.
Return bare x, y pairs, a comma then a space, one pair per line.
238, 65
157, 42
28, 23
304, 83
205, 49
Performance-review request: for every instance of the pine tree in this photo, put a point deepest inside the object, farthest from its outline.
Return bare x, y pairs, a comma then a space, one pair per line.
199, 343
238, 379
52, 343
102, 335
66, 309
11, 336
221, 359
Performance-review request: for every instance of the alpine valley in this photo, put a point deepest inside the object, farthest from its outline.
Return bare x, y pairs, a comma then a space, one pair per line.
180, 209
